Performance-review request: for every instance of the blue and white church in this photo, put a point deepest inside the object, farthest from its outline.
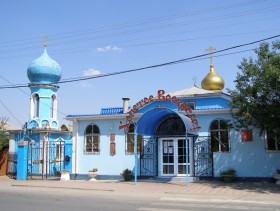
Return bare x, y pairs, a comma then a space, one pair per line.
178, 136
42, 148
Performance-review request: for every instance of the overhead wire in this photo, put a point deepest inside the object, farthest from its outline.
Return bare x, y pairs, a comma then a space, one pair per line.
233, 15
24, 92
11, 113
87, 48
168, 63
129, 24
151, 66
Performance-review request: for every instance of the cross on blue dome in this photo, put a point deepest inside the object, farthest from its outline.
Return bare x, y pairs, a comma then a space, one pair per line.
44, 70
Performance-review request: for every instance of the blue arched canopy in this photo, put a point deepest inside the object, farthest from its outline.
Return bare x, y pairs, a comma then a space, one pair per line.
149, 121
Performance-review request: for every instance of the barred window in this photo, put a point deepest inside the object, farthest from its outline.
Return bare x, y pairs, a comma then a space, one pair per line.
92, 139
129, 141
59, 151
219, 133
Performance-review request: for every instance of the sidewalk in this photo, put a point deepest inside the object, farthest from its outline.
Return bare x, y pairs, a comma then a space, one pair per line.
203, 190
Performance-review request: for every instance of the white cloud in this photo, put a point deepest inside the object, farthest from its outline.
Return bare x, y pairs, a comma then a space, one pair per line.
88, 73
91, 72
109, 48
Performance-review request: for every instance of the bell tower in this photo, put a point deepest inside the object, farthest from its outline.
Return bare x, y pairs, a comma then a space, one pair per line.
44, 73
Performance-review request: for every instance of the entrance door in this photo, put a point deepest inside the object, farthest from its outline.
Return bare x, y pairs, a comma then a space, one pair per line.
173, 156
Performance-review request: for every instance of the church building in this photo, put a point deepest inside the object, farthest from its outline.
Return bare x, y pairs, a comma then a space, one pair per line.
183, 135
177, 136
42, 148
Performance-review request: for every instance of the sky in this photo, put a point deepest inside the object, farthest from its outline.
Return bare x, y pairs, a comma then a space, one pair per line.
89, 37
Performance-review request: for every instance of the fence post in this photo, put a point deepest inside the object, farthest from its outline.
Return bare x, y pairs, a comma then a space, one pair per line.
67, 156
22, 160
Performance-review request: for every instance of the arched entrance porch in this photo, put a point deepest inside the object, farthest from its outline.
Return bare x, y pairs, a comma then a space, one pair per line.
165, 144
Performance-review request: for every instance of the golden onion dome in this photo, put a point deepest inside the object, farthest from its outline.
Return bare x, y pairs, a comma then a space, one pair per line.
212, 81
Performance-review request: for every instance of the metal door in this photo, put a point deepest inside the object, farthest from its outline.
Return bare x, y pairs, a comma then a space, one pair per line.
45, 160
203, 158
148, 157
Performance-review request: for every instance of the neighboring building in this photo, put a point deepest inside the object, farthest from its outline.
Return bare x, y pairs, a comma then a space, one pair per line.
47, 147
165, 127
4, 151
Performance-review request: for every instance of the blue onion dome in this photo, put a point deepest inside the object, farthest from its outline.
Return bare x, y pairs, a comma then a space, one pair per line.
44, 70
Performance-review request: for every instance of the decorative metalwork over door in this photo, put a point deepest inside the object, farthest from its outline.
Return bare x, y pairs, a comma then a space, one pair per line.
203, 159
45, 160
148, 164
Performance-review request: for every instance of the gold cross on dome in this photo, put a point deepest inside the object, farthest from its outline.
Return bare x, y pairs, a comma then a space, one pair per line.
211, 49
45, 41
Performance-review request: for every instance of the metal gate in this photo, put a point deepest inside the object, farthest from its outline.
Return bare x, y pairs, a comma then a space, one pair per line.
148, 164
203, 158
45, 160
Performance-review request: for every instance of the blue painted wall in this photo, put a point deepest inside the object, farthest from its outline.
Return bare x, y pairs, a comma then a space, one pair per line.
211, 103
250, 159
45, 95
106, 163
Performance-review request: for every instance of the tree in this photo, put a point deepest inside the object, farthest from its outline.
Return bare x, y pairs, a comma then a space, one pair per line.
3, 134
257, 93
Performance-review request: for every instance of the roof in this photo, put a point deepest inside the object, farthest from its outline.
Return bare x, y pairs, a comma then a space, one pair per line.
103, 112
8, 127
192, 91
110, 111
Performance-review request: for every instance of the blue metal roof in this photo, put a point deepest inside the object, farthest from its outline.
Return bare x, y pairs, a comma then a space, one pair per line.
110, 111
103, 112
147, 123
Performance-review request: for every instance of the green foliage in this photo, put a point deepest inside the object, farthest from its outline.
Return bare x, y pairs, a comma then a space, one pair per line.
257, 93
93, 170
127, 175
4, 141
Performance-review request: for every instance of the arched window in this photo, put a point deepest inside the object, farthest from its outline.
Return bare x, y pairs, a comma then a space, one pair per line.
219, 133
36, 101
172, 126
53, 106
92, 139
129, 149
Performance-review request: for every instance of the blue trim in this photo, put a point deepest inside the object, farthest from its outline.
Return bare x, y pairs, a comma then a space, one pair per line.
115, 111
148, 122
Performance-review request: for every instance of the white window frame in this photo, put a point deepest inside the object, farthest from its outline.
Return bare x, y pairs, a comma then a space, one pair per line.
219, 130
92, 135
59, 151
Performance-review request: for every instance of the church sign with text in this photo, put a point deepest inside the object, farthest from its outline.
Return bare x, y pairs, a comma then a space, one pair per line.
182, 106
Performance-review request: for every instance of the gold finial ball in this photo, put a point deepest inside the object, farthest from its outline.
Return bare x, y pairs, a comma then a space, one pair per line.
213, 81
